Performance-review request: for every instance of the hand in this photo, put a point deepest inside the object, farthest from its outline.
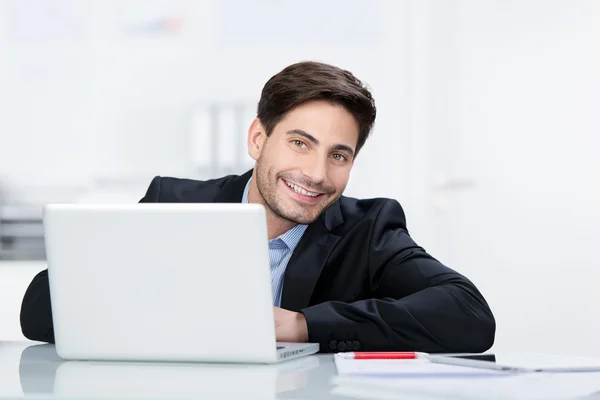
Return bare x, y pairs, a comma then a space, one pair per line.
290, 326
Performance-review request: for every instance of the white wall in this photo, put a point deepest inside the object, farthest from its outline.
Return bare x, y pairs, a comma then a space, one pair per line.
116, 102
506, 102
503, 94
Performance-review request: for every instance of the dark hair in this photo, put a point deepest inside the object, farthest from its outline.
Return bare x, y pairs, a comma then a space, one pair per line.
308, 81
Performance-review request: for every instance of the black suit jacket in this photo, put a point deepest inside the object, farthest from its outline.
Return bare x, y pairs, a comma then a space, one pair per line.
356, 275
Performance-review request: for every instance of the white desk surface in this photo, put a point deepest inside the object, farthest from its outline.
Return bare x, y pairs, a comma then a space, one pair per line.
32, 369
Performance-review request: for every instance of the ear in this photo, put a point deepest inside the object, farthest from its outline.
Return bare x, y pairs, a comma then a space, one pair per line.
256, 138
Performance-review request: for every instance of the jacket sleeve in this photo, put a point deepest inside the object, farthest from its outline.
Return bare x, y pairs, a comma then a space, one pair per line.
415, 302
36, 310
36, 313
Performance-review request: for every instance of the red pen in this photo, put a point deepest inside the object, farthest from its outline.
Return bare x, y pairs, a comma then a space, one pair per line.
383, 355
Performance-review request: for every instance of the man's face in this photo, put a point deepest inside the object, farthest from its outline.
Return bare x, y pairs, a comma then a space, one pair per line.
304, 165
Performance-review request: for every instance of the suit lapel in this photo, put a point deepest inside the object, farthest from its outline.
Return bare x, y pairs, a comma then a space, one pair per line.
311, 254
309, 258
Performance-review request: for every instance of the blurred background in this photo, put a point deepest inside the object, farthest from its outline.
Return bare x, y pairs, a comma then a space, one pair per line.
487, 130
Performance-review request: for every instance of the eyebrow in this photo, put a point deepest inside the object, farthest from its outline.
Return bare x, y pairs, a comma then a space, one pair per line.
314, 140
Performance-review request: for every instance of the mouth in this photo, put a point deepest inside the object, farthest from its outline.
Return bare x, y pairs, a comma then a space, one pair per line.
301, 193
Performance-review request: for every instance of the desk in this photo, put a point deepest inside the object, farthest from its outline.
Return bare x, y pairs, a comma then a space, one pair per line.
35, 370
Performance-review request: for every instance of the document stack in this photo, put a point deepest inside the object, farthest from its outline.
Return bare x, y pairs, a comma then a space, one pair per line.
424, 378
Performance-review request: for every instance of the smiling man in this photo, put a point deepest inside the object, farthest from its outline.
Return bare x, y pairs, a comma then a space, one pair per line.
345, 273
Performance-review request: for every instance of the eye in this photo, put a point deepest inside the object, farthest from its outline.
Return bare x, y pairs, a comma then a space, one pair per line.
299, 143
339, 157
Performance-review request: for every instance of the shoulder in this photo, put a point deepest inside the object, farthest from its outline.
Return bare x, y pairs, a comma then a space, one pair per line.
181, 190
374, 211
360, 208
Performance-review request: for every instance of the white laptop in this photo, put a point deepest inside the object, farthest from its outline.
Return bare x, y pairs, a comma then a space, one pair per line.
163, 282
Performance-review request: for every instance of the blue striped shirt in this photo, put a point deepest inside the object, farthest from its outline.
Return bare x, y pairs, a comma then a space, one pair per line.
280, 252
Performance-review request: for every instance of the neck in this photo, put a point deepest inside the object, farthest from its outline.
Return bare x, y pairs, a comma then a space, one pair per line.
276, 226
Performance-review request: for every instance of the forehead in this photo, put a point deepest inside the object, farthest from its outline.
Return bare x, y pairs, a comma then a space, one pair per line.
329, 123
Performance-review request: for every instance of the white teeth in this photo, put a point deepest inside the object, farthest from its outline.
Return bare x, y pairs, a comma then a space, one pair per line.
298, 189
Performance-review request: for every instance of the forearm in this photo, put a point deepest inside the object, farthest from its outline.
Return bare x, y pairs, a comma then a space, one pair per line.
445, 318
36, 312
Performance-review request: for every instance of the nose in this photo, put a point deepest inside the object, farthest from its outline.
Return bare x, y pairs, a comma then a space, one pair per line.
316, 170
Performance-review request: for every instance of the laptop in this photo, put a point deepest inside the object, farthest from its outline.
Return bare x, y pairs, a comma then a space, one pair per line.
163, 282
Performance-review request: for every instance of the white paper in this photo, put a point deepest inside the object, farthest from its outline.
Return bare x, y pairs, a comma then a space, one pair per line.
556, 386
401, 368
382, 379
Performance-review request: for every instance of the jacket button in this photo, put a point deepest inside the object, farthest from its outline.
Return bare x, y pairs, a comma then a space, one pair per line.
356, 345
341, 346
333, 344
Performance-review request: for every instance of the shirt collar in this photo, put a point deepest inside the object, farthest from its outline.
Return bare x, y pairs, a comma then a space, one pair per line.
292, 237
245, 195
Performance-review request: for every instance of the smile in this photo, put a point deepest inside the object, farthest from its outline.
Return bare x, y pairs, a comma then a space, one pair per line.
300, 190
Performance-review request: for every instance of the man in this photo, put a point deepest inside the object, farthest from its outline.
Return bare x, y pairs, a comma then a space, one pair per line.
345, 272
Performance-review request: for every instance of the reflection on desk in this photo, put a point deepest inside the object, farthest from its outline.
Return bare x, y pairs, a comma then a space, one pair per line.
42, 372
